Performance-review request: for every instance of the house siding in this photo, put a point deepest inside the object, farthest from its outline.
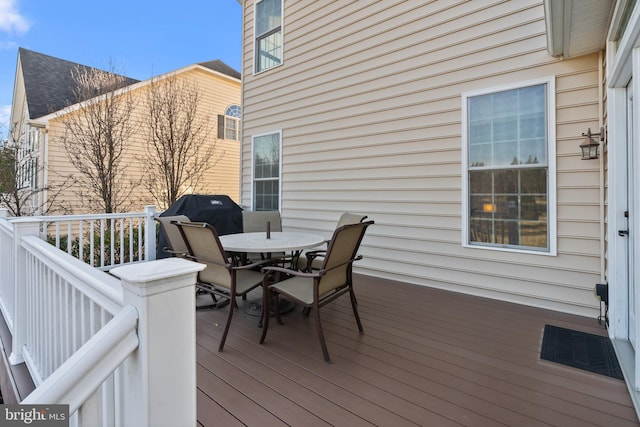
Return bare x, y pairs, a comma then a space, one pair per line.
368, 99
223, 177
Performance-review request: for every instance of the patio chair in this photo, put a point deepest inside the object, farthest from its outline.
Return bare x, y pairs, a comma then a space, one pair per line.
318, 288
176, 247
255, 222
312, 260
221, 277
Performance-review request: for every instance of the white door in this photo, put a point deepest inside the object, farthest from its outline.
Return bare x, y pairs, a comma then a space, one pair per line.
628, 233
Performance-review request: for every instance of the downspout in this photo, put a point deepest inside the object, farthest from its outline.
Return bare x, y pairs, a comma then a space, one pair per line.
241, 198
601, 165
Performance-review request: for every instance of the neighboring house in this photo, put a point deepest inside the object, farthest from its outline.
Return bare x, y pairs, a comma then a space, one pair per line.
44, 94
456, 126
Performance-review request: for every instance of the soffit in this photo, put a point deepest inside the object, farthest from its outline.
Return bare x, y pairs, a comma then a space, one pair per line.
577, 27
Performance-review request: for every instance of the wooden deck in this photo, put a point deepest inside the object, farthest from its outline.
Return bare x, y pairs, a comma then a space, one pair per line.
428, 357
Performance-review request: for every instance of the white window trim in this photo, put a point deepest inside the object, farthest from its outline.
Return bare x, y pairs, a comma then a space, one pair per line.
253, 140
253, 41
551, 159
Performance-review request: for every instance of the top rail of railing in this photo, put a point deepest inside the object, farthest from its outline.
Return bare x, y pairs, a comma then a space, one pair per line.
101, 240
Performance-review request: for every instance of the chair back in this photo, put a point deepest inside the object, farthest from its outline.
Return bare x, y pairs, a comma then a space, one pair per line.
172, 233
204, 247
256, 221
350, 218
341, 253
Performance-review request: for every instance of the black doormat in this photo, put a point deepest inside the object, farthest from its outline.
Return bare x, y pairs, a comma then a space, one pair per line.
580, 350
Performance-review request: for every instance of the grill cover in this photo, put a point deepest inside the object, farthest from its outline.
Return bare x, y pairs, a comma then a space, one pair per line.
218, 210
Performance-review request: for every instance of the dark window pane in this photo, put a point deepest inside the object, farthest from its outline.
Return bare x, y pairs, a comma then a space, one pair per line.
534, 208
506, 232
506, 181
481, 230
482, 207
534, 181
533, 234
480, 182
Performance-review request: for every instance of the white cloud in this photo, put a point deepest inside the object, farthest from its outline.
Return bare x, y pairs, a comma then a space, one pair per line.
8, 45
11, 21
5, 116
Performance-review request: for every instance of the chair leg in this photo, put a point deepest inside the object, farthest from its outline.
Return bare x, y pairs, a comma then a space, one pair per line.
276, 308
323, 344
354, 305
232, 297
266, 300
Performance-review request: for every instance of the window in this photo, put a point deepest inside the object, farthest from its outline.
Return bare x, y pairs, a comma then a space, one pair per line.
266, 172
232, 123
509, 168
27, 158
229, 123
268, 34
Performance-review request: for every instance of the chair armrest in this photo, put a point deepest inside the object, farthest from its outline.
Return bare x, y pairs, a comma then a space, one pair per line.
288, 271
311, 256
252, 265
299, 273
172, 252
315, 253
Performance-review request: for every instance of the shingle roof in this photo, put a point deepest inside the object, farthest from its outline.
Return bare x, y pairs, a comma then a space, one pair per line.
221, 67
49, 82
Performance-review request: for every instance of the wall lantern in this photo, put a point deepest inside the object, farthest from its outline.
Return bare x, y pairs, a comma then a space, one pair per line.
590, 146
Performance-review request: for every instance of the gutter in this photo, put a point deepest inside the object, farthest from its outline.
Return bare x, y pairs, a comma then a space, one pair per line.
554, 21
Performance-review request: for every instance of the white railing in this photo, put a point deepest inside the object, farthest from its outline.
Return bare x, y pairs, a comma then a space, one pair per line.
93, 372
103, 240
100, 342
6, 273
66, 303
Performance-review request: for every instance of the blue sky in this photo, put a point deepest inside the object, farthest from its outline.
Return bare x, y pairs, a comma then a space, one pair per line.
142, 38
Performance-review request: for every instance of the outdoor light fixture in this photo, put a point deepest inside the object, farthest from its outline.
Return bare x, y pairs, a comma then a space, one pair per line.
590, 146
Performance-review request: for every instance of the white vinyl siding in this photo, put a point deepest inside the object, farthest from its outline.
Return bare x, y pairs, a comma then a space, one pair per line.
508, 176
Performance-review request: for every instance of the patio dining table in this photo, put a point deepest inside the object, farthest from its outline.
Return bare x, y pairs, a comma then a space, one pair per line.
277, 241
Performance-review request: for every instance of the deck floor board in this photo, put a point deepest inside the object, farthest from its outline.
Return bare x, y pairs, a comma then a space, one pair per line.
428, 357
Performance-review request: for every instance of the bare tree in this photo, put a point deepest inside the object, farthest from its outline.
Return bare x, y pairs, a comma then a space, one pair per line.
178, 145
22, 191
97, 136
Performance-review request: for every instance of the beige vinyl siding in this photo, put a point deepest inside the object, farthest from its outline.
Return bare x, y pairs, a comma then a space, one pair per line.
216, 94
369, 102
